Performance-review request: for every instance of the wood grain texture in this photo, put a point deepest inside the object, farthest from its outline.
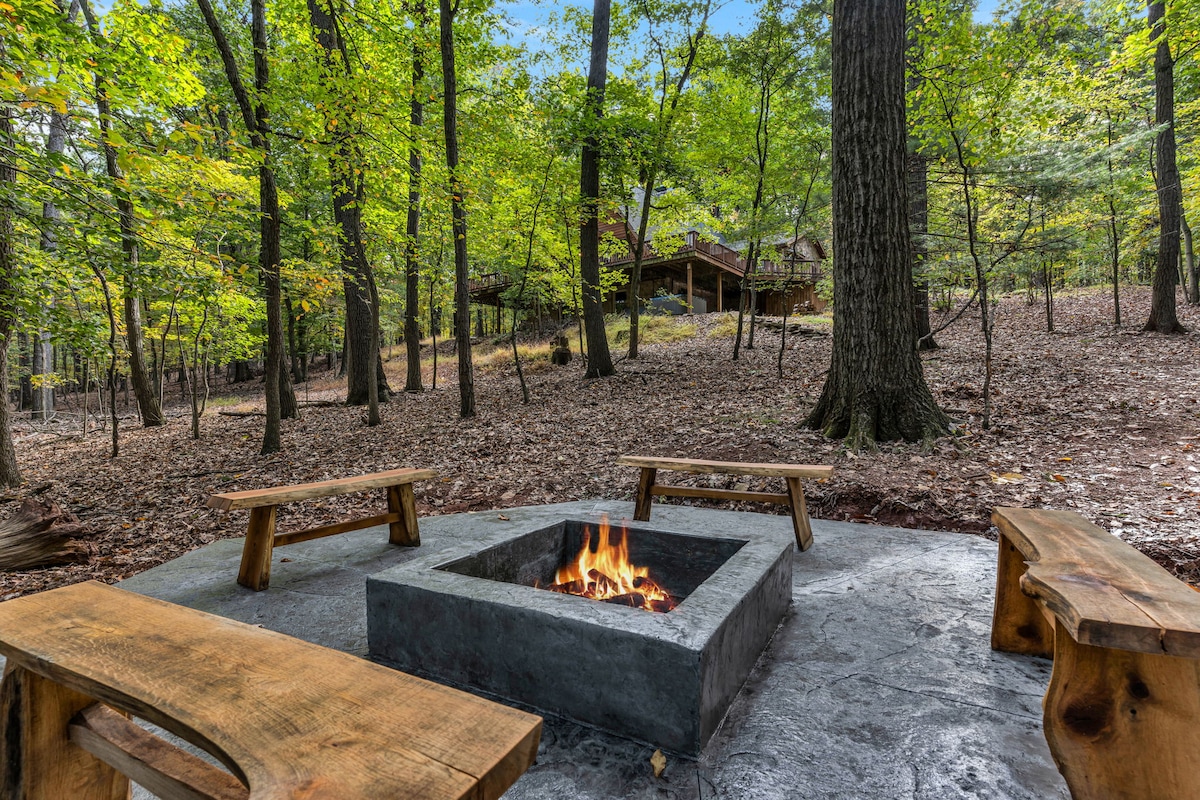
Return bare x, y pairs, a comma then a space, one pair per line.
40, 762
403, 504
1104, 592
719, 494
645, 491
163, 769
308, 534
1018, 624
1123, 725
289, 718
800, 521
253, 498
255, 570
727, 467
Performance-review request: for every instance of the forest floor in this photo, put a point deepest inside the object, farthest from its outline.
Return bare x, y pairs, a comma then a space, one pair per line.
1100, 420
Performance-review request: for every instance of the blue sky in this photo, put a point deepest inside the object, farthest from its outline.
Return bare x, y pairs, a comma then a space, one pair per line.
732, 16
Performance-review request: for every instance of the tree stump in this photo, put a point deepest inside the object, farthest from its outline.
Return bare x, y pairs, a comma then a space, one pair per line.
562, 351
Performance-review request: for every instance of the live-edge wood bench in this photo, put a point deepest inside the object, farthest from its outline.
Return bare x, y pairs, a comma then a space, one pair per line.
288, 718
648, 488
1122, 712
261, 539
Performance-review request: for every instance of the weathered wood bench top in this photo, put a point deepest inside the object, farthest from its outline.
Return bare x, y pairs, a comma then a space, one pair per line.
289, 718
256, 498
1105, 592
1122, 711
727, 467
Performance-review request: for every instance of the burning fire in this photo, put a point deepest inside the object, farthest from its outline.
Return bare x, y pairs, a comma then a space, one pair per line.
606, 574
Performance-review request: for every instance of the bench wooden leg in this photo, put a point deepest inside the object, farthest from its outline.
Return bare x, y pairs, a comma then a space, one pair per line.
255, 572
641, 509
41, 761
1122, 725
800, 519
1018, 624
401, 501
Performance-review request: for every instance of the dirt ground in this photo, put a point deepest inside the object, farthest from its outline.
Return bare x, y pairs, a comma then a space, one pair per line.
1091, 418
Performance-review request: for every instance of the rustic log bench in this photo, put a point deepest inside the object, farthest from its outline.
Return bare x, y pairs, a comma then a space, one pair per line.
261, 539
791, 473
1122, 712
288, 718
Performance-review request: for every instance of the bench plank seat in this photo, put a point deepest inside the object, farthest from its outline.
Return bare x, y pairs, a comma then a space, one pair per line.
288, 718
1122, 711
261, 538
727, 467
256, 498
648, 488
1105, 592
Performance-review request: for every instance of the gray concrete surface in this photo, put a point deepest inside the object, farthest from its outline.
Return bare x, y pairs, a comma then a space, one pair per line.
662, 678
879, 683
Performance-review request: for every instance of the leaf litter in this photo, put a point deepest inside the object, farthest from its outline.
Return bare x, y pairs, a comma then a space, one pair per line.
1091, 418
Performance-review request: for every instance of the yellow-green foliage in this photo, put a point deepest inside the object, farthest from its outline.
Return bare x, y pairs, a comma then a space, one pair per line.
534, 357
725, 327
652, 329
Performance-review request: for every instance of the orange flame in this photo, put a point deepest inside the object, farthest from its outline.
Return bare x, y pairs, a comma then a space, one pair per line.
606, 573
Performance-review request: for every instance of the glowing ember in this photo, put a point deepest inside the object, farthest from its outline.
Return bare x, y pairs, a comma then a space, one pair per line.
605, 573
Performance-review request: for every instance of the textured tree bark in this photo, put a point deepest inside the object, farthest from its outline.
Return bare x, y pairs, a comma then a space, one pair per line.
346, 190
412, 272
278, 386
462, 297
147, 399
599, 360
10, 475
876, 389
918, 225
1163, 317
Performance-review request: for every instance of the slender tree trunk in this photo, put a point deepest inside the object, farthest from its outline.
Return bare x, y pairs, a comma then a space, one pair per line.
1189, 259
875, 390
10, 475
412, 272
1113, 232
462, 297
148, 403
918, 224
346, 171
599, 360
43, 352
277, 386
1163, 317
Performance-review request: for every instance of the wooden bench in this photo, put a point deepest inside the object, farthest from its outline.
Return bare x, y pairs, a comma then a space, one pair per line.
1122, 712
261, 539
289, 719
791, 473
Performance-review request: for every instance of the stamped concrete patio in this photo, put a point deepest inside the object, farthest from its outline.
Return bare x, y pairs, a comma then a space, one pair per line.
878, 684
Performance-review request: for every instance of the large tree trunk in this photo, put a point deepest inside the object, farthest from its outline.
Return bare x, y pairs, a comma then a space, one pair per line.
875, 390
10, 475
462, 297
1163, 317
412, 271
599, 361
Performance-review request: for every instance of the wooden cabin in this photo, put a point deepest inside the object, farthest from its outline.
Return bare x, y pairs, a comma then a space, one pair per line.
703, 275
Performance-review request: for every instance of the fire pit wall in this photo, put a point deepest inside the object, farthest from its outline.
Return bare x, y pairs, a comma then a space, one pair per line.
473, 619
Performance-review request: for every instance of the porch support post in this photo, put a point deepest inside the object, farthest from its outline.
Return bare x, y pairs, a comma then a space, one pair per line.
689, 287
720, 290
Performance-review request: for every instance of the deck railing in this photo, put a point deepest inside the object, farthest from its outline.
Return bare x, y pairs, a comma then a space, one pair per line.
692, 243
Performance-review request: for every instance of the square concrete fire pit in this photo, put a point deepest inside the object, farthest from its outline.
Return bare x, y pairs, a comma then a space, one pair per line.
470, 617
